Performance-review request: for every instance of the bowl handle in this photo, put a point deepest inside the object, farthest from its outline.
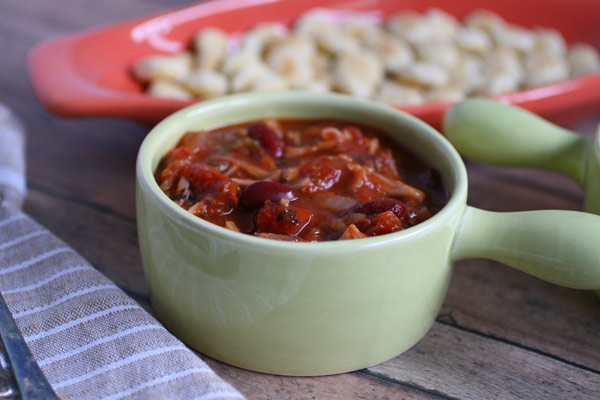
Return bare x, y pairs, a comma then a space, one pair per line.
557, 246
499, 134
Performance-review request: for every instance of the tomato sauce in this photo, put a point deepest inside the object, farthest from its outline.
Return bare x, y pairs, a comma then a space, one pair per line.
301, 180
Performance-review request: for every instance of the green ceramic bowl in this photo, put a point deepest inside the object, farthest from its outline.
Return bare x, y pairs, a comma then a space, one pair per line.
329, 307
499, 134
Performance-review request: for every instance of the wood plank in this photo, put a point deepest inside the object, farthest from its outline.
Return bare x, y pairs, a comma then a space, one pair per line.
87, 167
463, 365
80, 14
502, 302
84, 154
517, 189
356, 385
587, 127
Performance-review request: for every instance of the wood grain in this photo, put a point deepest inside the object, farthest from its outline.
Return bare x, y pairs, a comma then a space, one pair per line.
355, 385
503, 303
468, 366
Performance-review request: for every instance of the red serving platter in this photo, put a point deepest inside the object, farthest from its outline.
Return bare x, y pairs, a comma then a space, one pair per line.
88, 74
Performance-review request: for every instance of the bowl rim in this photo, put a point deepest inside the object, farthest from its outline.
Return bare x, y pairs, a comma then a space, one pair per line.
457, 180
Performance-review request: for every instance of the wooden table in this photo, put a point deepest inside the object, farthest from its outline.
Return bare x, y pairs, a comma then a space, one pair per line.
500, 333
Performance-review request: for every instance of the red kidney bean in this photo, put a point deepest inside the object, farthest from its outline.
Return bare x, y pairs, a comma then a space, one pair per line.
267, 138
256, 194
379, 206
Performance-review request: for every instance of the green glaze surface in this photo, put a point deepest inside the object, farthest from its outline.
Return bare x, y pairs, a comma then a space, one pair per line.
557, 246
592, 182
499, 134
319, 308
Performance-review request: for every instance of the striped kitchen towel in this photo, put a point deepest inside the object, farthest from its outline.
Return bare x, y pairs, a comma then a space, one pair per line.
90, 339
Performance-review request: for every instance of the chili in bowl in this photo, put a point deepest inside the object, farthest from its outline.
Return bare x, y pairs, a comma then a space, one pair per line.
301, 180
313, 308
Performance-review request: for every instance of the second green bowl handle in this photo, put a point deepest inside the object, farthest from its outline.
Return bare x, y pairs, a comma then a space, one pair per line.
562, 247
495, 133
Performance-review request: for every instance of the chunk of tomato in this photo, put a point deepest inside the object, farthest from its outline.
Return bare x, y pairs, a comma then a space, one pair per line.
380, 224
220, 195
206, 180
282, 218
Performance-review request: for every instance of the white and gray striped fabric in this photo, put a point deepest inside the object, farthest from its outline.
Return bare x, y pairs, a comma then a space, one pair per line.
91, 340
